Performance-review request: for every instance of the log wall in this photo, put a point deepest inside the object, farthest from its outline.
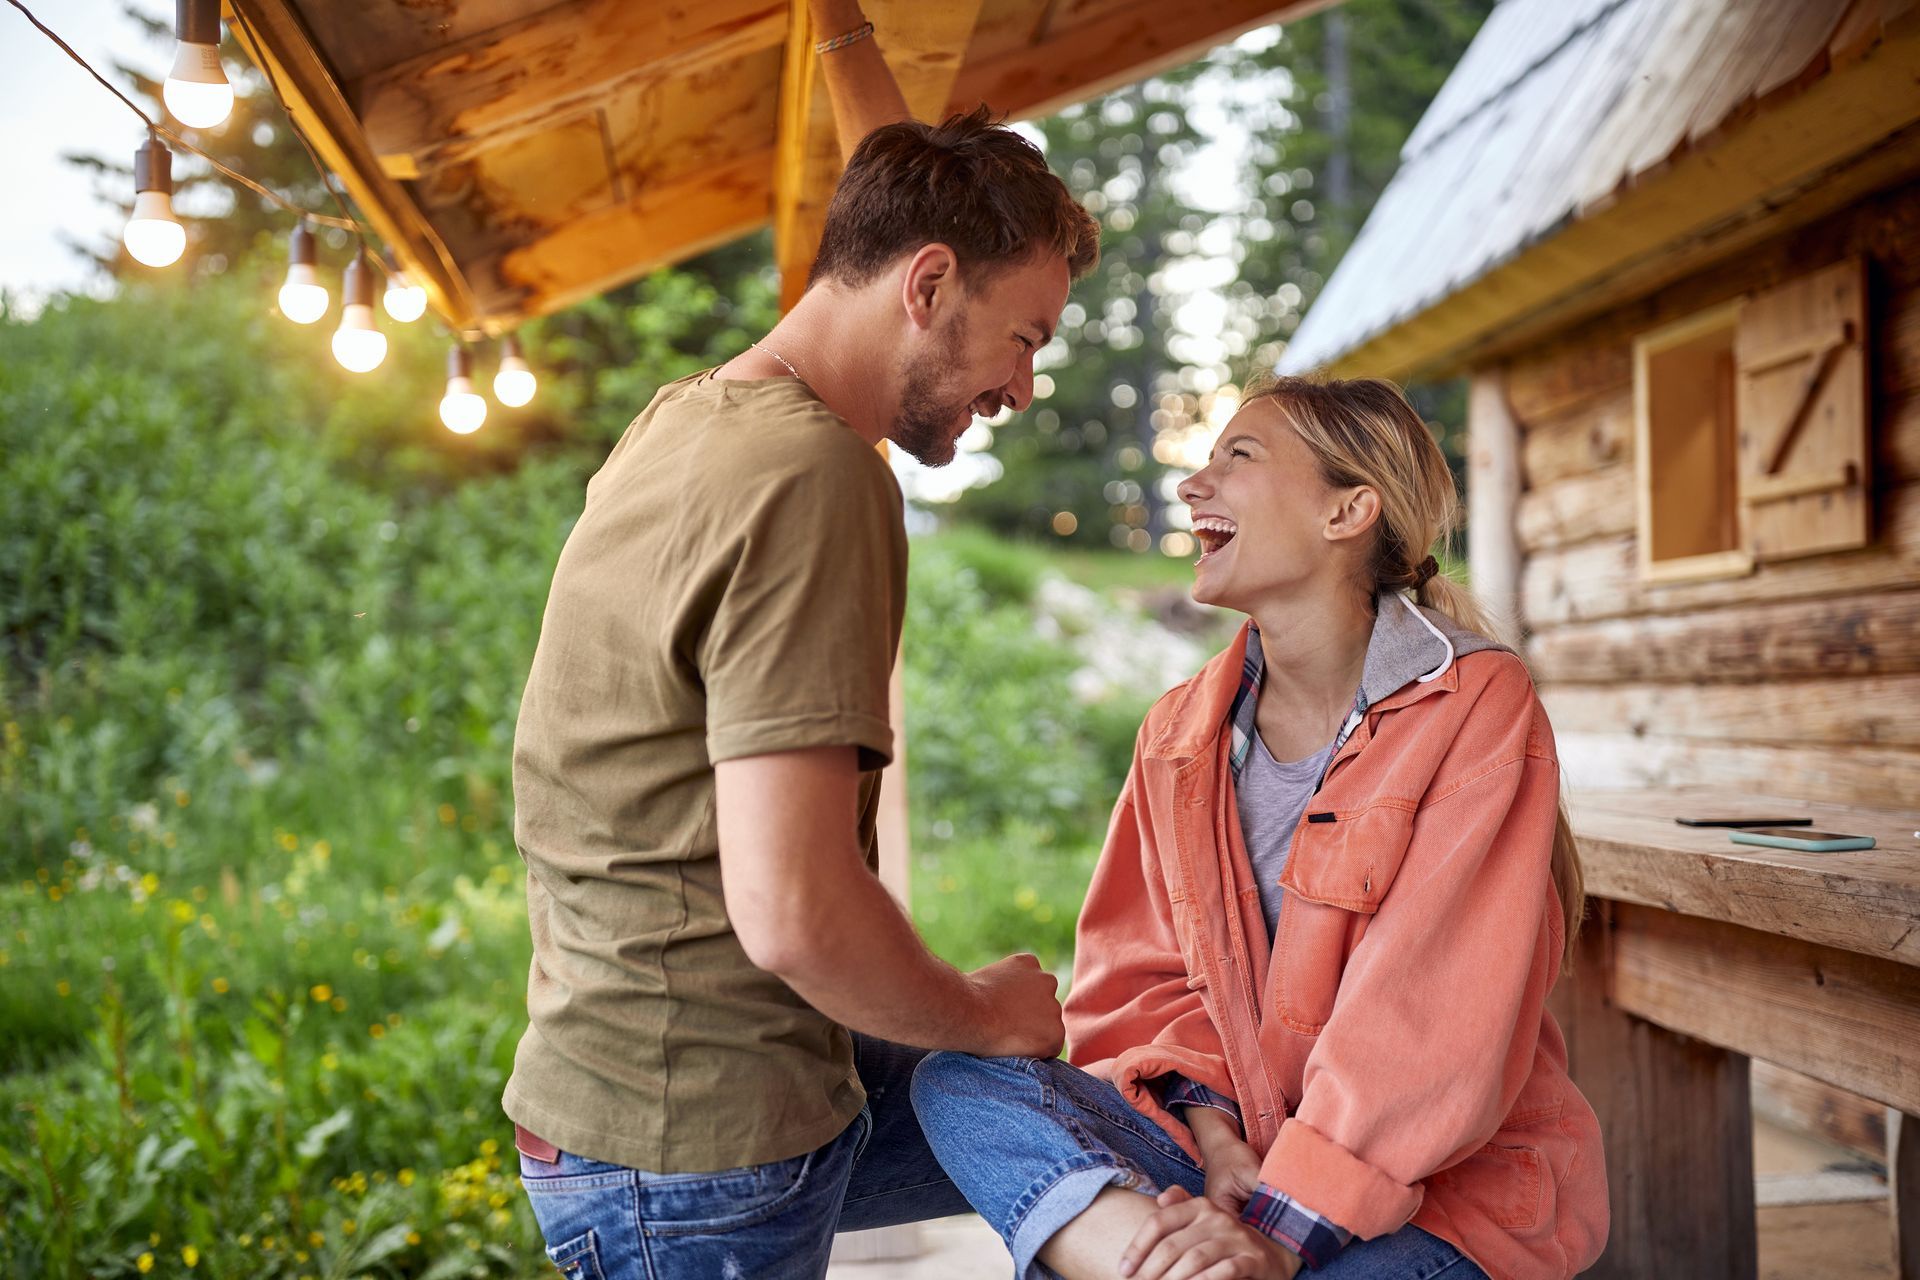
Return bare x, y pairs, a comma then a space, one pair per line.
1799, 679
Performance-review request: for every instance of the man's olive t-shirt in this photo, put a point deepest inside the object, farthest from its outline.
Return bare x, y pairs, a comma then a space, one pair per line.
734, 587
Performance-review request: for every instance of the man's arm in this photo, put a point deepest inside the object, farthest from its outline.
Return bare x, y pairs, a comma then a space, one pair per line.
808, 910
865, 95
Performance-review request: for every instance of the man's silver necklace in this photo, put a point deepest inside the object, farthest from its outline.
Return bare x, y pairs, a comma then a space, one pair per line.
777, 356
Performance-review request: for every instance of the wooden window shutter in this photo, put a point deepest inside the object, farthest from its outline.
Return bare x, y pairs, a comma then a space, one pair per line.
1800, 358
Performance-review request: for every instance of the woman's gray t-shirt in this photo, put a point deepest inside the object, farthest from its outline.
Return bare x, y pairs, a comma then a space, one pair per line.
1270, 796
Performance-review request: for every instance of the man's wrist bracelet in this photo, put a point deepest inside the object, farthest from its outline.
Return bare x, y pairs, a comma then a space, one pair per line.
854, 36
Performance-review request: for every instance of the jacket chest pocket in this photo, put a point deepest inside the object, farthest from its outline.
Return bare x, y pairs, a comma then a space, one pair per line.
1337, 874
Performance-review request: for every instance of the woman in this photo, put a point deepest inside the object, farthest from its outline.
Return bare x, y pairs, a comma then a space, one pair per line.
1308, 1017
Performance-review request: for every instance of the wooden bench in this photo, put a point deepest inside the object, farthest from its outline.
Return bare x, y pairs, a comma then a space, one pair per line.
1700, 954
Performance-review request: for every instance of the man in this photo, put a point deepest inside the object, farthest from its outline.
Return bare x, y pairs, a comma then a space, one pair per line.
714, 1078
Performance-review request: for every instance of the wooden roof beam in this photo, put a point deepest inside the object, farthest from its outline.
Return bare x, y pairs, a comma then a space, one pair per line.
924, 45
515, 79
318, 106
1070, 64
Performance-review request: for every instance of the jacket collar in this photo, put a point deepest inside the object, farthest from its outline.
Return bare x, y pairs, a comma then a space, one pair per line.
1410, 654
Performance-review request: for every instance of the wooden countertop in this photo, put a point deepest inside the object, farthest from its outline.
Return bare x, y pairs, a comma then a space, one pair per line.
1865, 900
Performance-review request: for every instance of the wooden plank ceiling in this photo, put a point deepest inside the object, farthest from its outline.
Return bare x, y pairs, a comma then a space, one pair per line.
522, 155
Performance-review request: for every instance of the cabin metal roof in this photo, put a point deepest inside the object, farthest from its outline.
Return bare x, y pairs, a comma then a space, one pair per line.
1558, 111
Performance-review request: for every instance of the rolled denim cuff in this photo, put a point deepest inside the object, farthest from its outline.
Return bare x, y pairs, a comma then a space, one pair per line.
1288, 1222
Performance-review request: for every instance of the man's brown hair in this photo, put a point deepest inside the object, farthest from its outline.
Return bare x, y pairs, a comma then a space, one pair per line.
968, 183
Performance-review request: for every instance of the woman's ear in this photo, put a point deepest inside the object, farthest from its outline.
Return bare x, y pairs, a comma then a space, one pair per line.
931, 278
1358, 511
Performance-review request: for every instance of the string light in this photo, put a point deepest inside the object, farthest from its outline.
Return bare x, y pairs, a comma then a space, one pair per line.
514, 384
303, 299
153, 235
461, 409
197, 91
199, 95
404, 300
357, 344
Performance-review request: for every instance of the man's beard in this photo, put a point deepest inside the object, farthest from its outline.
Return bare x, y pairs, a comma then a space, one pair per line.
924, 427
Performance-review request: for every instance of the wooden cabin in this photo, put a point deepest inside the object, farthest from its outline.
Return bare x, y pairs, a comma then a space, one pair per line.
1675, 247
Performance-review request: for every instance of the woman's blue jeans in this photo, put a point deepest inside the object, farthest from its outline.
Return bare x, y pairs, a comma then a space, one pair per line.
1032, 1141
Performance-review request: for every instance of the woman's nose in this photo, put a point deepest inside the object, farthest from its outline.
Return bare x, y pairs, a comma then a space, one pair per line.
1194, 488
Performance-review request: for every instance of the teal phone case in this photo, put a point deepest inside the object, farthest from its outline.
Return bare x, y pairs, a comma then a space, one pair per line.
1803, 846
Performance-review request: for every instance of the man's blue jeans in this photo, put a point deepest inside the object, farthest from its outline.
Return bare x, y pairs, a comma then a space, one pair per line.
765, 1222
1032, 1141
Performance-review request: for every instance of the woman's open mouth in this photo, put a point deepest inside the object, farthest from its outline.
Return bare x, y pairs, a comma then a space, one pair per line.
1213, 533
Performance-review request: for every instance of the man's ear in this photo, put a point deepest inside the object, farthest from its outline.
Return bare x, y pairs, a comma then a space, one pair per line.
931, 283
1358, 510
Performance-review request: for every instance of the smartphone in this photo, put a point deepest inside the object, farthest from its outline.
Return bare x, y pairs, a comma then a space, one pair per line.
1744, 822
1805, 841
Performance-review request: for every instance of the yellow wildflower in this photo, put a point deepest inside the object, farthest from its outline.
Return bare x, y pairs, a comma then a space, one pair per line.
413, 1237
404, 1177
220, 986
377, 1030
489, 1147
349, 1227
145, 1263
339, 1004
150, 883
181, 798
315, 1239
64, 987
54, 894
321, 993
190, 1256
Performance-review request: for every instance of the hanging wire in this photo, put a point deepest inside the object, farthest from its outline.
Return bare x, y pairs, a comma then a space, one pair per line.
346, 222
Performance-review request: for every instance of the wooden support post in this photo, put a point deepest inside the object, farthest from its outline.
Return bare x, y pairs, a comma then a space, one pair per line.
1677, 1125
924, 46
1903, 1192
1493, 499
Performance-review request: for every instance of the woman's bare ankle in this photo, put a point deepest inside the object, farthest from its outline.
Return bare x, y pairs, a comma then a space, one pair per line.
1088, 1248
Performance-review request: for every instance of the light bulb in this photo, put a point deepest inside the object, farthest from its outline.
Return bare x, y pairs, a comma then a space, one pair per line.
461, 409
405, 301
357, 345
153, 235
303, 299
514, 384
197, 91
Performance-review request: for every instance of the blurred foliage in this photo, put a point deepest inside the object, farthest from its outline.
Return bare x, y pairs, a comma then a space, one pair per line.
1200, 284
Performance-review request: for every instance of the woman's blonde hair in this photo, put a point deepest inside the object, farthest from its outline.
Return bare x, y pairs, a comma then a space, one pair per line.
1362, 431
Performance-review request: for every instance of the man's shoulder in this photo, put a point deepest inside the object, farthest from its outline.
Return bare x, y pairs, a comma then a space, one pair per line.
757, 437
